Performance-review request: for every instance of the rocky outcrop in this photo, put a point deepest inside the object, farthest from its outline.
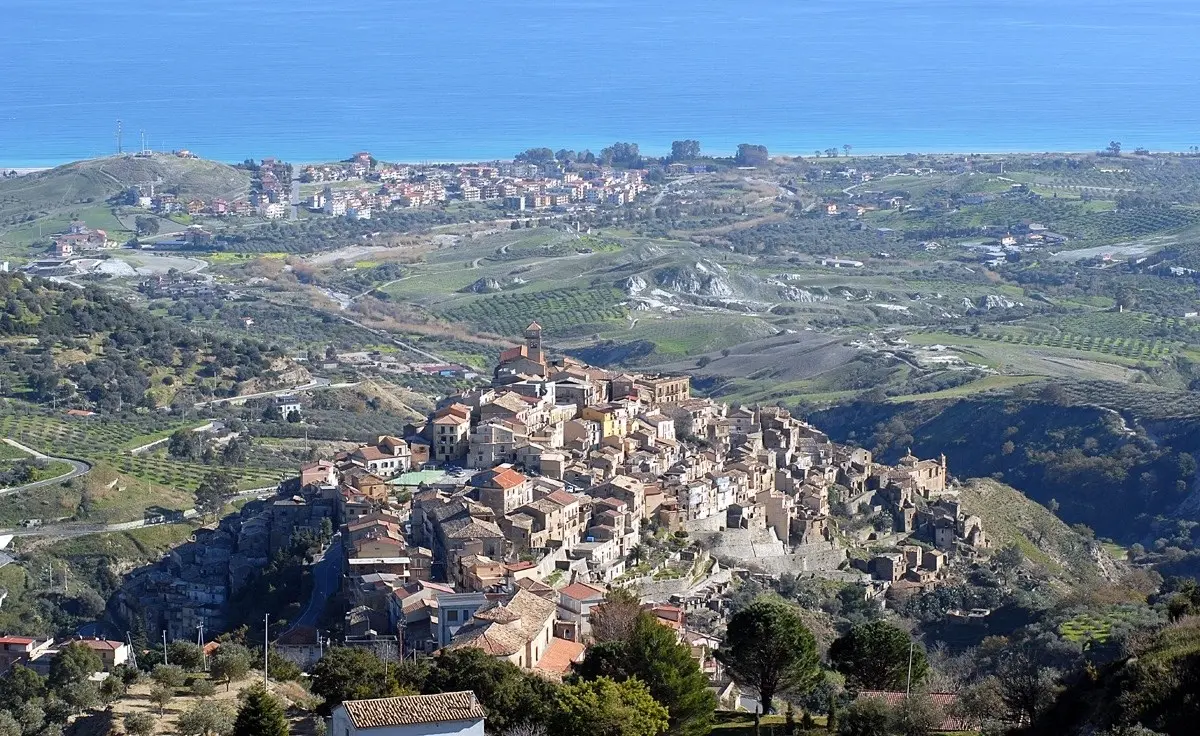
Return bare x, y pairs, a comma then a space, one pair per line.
485, 286
634, 285
703, 281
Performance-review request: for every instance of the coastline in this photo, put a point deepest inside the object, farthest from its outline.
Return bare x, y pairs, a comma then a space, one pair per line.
28, 167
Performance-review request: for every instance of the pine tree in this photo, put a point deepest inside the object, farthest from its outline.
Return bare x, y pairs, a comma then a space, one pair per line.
260, 715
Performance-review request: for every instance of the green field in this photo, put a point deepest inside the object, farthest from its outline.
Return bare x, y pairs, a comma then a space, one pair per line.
121, 485
560, 311
1097, 626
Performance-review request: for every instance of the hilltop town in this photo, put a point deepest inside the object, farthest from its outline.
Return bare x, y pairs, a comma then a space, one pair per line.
727, 384
505, 516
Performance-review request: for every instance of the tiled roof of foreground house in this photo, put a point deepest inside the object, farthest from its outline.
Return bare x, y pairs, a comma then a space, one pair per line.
560, 656
408, 710
503, 629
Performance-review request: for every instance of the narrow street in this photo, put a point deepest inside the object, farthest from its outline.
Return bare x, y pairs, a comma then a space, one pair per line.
327, 573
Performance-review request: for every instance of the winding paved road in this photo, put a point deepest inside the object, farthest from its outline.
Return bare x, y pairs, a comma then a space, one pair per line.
78, 468
327, 573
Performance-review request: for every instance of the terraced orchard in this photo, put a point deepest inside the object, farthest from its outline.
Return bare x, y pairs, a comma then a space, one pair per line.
109, 443
1097, 626
1125, 347
558, 310
187, 476
82, 436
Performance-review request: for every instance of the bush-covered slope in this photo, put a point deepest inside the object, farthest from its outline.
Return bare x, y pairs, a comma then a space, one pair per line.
1156, 688
89, 349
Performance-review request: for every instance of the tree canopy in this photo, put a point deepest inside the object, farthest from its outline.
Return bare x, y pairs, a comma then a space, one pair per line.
511, 696
875, 656
685, 150
614, 619
212, 491
74, 663
230, 663
751, 155
605, 707
768, 649
621, 154
652, 654
206, 718
260, 714
536, 156
349, 673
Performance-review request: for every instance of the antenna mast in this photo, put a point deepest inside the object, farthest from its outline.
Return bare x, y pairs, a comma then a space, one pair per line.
119, 150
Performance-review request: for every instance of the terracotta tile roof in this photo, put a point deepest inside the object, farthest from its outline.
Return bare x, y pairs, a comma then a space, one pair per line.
408, 710
369, 453
538, 588
500, 477
544, 506
471, 528
563, 498
102, 644
559, 656
297, 637
514, 353
512, 402
582, 591
17, 640
503, 629
455, 409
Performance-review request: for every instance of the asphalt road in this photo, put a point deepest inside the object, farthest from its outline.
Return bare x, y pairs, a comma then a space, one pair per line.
78, 468
316, 384
327, 573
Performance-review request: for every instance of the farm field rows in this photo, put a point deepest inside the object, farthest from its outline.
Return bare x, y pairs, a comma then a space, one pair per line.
121, 486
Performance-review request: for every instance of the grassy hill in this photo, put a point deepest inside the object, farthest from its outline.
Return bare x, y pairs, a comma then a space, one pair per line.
1010, 517
37, 205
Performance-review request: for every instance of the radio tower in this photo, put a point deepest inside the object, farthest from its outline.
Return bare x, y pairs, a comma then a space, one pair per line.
119, 151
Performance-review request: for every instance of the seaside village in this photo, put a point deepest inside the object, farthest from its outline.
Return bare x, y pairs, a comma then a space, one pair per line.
502, 521
518, 186
362, 185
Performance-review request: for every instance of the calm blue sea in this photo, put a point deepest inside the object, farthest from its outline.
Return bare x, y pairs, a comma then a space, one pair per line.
469, 79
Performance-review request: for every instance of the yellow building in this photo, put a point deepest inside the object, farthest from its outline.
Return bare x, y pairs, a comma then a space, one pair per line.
611, 419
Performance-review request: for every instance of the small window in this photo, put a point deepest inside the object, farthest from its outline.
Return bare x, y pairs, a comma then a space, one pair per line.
452, 616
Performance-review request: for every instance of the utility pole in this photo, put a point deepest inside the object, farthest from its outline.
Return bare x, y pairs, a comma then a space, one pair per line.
200, 643
908, 685
266, 647
165, 647
132, 651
